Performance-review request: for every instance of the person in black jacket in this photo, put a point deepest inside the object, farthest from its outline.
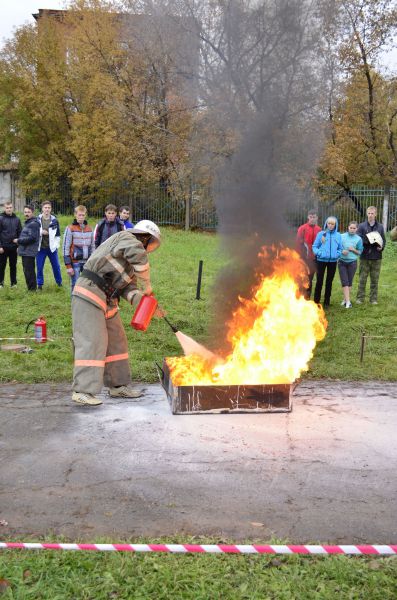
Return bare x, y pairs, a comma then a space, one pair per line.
28, 246
108, 226
374, 242
10, 230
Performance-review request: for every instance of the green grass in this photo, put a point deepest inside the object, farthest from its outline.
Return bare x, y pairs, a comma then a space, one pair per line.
65, 575
174, 279
337, 356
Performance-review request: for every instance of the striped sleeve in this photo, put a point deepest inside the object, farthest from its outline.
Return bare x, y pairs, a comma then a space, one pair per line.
67, 241
131, 294
92, 246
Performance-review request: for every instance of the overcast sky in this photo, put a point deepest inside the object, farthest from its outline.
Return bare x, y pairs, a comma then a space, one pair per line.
14, 13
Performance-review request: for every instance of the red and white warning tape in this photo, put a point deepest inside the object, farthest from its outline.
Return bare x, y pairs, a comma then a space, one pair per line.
211, 548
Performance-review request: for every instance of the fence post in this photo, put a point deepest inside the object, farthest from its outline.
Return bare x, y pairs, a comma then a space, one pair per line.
188, 206
200, 273
386, 199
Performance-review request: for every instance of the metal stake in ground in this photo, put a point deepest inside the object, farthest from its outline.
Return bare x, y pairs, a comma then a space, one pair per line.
362, 347
200, 272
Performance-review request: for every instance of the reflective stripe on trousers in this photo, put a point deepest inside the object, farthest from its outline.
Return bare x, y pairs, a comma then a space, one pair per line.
101, 352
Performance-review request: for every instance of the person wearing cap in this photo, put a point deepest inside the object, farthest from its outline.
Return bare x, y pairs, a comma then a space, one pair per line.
374, 242
114, 270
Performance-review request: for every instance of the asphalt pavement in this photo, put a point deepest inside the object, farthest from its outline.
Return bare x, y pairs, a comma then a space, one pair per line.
326, 472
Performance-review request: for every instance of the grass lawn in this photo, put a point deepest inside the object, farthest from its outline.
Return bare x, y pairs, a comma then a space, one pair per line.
45, 575
62, 575
174, 279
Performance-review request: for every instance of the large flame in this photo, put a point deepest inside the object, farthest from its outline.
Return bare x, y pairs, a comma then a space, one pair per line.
272, 334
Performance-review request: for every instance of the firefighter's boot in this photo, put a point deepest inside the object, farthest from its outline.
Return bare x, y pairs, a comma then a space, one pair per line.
85, 398
125, 391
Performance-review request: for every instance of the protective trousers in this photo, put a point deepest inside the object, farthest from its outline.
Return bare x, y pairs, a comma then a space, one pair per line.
100, 349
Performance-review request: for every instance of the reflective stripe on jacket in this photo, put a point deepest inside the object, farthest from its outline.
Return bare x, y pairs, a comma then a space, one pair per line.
121, 260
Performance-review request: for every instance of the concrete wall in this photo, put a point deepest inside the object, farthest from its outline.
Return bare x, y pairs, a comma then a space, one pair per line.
9, 190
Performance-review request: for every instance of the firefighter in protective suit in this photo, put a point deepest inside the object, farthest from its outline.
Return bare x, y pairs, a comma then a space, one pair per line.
100, 342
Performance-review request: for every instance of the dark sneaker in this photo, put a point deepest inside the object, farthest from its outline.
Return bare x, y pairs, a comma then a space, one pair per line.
40, 288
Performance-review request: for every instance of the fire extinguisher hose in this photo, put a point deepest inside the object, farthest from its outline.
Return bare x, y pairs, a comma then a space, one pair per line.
28, 325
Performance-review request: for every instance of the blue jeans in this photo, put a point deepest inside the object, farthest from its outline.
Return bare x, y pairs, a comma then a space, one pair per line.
56, 268
77, 268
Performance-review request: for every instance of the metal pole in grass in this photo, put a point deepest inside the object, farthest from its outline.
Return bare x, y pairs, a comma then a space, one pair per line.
362, 346
200, 272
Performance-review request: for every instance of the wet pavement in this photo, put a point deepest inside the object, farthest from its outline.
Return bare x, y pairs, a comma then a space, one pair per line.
327, 472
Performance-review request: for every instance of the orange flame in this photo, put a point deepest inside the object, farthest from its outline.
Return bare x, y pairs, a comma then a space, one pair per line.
273, 334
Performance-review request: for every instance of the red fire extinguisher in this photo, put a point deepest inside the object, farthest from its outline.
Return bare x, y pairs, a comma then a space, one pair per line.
144, 313
40, 330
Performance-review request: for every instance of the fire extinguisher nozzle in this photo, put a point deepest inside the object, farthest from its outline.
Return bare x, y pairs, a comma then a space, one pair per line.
174, 329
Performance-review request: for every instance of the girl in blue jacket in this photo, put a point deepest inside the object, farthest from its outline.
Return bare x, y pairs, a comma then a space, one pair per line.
352, 247
327, 248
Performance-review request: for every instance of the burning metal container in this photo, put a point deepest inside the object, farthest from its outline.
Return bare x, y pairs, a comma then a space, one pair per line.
199, 399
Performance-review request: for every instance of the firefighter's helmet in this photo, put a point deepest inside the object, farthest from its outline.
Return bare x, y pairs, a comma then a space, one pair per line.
145, 228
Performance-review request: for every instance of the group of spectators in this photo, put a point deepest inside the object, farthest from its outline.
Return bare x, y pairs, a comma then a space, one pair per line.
323, 250
40, 237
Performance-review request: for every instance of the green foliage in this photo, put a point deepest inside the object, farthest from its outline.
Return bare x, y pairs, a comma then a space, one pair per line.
174, 279
85, 99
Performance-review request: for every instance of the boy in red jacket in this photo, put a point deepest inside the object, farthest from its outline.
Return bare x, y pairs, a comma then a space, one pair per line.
304, 241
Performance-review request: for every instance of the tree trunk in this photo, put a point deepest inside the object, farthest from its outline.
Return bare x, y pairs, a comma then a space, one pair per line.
386, 199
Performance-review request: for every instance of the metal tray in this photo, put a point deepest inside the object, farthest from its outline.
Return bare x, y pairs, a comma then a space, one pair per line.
199, 399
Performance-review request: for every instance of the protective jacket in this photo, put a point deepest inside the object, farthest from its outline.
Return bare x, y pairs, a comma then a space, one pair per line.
370, 251
101, 349
78, 243
10, 229
28, 241
120, 261
331, 249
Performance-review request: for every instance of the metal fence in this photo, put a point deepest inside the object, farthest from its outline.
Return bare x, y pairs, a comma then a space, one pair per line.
192, 206
346, 207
